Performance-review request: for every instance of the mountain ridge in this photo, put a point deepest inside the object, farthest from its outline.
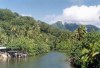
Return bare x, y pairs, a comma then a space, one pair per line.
74, 26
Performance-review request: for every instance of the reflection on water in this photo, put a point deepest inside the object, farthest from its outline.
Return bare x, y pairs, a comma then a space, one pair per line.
50, 60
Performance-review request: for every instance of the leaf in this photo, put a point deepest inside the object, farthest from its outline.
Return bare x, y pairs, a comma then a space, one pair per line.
95, 54
85, 51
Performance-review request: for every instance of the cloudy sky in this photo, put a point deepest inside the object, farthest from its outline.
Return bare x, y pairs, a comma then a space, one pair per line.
50, 11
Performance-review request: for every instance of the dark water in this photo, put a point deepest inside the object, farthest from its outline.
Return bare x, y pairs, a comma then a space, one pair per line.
50, 60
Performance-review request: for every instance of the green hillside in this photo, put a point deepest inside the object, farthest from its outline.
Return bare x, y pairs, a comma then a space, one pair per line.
24, 33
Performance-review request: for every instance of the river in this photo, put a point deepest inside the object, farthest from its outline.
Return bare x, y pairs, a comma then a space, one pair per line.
49, 60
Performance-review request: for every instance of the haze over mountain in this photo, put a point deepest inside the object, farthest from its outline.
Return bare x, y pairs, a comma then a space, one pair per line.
73, 26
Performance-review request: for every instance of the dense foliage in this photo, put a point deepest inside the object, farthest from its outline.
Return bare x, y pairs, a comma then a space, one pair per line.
83, 48
24, 33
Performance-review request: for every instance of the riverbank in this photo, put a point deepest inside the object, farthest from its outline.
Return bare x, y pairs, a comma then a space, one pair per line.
12, 54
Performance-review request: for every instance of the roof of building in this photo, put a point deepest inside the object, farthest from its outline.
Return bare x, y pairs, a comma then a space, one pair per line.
3, 47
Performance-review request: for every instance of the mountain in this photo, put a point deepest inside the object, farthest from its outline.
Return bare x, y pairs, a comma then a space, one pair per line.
73, 26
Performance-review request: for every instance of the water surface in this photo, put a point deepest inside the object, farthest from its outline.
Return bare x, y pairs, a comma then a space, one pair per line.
49, 60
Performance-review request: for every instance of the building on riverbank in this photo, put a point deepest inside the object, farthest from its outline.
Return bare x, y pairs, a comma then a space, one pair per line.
3, 53
17, 54
3, 49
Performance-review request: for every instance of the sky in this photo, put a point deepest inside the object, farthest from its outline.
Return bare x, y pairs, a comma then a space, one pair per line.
50, 11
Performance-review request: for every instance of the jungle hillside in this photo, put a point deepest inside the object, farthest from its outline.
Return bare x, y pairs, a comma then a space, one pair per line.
24, 33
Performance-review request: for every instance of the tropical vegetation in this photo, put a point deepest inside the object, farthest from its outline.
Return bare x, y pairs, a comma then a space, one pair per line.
24, 33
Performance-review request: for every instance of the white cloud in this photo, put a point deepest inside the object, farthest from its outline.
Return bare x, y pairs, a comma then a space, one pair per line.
82, 14
26, 15
79, 14
53, 18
